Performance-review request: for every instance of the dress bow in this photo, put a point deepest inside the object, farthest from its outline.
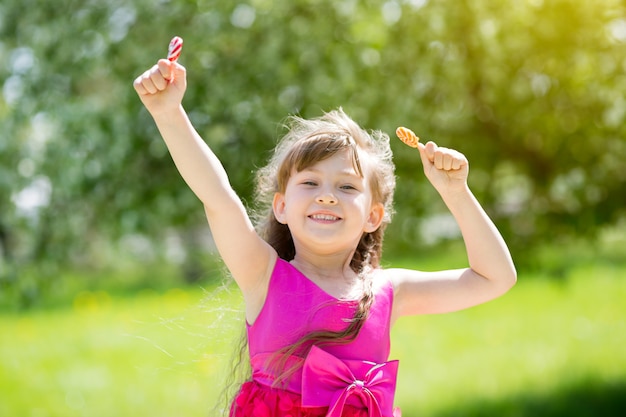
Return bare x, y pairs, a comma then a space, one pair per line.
329, 381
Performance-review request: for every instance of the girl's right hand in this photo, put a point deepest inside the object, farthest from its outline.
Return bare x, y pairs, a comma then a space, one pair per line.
162, 87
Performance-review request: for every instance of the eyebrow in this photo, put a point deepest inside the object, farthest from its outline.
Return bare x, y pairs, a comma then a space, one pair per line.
345, 172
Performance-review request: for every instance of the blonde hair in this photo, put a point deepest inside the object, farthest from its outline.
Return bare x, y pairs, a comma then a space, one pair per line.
307, 142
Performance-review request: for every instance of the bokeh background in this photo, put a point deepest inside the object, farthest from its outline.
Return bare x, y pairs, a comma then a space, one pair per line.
112, 301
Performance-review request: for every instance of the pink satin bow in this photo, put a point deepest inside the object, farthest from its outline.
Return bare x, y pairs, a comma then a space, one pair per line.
329, 381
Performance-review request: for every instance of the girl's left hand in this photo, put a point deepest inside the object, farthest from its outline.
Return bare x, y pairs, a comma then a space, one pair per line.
445, 168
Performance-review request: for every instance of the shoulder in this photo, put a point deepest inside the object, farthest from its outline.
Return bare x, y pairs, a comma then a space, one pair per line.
414, 291
397, 277
383, 282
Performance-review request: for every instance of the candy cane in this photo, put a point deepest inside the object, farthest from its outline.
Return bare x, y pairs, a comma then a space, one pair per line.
176, 46
407, 136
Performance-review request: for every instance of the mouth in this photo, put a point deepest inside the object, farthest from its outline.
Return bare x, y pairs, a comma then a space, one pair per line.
324, 217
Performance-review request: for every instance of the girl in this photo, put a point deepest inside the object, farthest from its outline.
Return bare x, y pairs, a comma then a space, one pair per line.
318, 305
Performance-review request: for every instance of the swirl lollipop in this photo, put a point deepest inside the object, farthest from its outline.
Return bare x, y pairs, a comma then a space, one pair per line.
175, 48
407, 136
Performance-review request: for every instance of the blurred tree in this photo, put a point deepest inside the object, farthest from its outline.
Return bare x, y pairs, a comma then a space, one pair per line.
531, 91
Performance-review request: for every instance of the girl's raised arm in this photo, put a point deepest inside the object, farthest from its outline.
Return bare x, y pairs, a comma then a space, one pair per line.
247, 256
491, 271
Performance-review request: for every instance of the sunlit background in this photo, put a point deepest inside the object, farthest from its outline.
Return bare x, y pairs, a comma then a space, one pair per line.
112, 301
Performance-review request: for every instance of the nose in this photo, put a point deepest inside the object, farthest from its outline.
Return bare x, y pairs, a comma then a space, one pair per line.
326, 198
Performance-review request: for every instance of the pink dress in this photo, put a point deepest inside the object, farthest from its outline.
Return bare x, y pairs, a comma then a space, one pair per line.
339, 380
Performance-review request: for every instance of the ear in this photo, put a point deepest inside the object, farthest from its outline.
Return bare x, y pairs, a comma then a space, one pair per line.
375, 219
278, 206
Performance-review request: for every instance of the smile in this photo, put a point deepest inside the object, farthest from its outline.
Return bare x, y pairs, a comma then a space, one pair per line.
324, 217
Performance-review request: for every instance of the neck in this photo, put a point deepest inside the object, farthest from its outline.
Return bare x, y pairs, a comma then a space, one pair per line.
327, 267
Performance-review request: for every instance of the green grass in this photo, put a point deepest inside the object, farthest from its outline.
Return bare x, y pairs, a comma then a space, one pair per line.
547, 348
541, 341
152, 355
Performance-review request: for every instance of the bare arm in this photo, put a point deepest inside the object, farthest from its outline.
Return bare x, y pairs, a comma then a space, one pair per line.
491, 271
161, 89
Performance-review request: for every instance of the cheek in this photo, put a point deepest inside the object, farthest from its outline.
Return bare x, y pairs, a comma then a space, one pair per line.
293, 196
363, 199
361, 203
295, 202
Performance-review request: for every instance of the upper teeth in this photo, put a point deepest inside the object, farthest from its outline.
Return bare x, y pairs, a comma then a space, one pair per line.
323, 217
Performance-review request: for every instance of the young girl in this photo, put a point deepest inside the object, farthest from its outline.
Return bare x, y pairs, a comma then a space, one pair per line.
318, 305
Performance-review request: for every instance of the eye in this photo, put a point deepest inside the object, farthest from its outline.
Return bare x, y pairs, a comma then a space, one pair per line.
310, 183
348, 187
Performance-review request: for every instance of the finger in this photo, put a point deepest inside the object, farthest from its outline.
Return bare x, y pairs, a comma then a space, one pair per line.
147, 84
459, 162
139, 88
430, 148
438, 158
142, 83
424, 154
180, 72
165, 68
447, 160
158, 80
179, 75
457, 159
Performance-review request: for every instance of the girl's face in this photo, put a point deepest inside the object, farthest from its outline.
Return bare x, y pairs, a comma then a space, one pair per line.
328, 206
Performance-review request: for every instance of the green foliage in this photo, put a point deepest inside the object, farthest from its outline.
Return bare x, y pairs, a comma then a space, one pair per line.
531, 91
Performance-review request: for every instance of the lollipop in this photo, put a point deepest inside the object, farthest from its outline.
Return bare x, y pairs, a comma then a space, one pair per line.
176, 46
407, 136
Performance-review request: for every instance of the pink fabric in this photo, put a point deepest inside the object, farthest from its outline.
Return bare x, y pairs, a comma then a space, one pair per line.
263, 371
257, 400
296, 306
328, 381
